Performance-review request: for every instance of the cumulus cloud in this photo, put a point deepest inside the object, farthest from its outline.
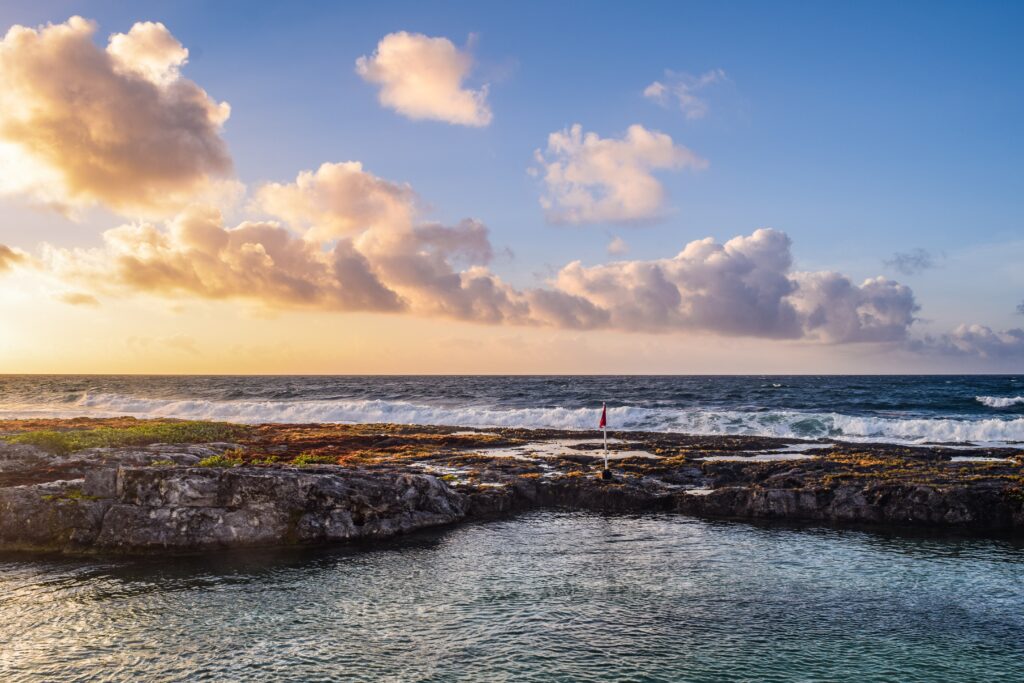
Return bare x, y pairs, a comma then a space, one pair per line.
10, 258
744, 287
682, 90
81, 124
340, 200
590, 179
196, 254
422, 77
352, 241
834, 309
911, 262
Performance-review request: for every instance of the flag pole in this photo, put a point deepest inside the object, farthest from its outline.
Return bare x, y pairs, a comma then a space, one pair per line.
606, 474
603, 409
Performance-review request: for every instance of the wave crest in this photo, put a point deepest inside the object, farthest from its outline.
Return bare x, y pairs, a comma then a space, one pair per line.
1000, 401
777, 423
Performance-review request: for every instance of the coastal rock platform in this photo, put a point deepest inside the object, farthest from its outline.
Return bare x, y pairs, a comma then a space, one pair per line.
275, 485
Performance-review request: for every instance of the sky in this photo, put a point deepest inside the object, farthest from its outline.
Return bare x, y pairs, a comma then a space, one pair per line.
533, 188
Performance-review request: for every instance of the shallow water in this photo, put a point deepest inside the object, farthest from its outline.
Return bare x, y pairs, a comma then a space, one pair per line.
542, 597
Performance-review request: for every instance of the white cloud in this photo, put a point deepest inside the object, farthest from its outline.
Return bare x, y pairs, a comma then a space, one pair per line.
423, 78
743, 288
681, 90
590, 179
148, 50
120, 126
834, 309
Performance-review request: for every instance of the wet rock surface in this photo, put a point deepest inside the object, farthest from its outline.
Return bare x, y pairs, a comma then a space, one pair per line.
315, 484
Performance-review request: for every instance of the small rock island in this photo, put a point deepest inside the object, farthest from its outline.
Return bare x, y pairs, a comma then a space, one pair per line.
126, 486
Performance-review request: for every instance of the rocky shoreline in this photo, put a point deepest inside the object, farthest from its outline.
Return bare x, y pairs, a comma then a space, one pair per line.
280, 485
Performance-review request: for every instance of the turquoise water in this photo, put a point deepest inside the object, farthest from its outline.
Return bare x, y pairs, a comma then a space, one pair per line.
541, 597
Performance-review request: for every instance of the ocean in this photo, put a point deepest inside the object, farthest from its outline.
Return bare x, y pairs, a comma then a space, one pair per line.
980, 409
549, 595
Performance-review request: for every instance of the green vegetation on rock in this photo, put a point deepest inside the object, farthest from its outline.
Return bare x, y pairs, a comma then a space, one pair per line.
70, 494
142, 434
227, 459
313, 459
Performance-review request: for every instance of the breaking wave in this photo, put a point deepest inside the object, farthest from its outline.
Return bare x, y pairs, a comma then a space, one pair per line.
778, 423
1000, 401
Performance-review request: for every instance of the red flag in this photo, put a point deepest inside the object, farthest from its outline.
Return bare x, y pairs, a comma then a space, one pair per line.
604, 417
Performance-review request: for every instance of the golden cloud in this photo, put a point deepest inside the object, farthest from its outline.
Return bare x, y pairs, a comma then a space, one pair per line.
120, 126
360, 246
422, 78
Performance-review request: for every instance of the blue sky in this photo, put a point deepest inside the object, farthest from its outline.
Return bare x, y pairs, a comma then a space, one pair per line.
858, 129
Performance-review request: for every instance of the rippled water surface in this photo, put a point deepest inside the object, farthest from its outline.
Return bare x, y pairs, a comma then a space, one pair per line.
542, 597
987, 409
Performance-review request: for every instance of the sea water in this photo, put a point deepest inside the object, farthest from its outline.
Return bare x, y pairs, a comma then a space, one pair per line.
983, 409
546, 596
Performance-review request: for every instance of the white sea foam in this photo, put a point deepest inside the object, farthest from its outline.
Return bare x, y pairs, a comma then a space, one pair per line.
1000, 401
778, 423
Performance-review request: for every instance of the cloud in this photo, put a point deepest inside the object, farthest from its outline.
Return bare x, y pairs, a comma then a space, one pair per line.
9, 258
148, 50
422, 78
195, 254
78, 299
835, 310
120, 126
352, 241
978, 341
340, 200
741, 288
589, 179
617, 246
911, 262
1020, 308
680, 90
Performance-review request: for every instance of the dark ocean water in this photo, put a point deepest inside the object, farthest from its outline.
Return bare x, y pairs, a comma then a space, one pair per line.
985, 409
541, 597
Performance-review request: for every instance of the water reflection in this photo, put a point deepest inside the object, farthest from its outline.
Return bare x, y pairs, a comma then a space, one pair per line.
546, 596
